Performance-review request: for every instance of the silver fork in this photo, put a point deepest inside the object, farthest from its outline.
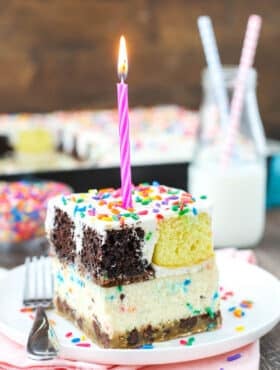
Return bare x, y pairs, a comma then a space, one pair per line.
42, 343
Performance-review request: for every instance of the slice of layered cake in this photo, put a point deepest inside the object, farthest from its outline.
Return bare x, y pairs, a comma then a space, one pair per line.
128, 277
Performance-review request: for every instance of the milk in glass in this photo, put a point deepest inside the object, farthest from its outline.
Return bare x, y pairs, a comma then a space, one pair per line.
238, 197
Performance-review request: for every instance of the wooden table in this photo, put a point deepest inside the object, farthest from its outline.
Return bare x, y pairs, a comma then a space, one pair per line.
268, 255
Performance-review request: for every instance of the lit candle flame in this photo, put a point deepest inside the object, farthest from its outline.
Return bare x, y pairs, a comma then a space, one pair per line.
122, 60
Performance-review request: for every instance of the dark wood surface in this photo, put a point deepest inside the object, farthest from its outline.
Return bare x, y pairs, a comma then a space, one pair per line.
268, 255
61, 54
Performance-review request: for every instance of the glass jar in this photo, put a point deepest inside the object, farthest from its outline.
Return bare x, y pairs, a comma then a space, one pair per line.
236, 191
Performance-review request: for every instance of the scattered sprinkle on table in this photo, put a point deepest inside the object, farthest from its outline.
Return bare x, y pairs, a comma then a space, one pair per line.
83, 344
75, 340
246, 303
227, 295
69, 334
238, 313
26, 309
147, 346
234, 357
191, 340
188, 342
239, 328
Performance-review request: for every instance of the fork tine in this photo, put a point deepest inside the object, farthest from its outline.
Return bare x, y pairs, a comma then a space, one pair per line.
26, 291
51, 279
43, 275
46, 282
36, 277
47, 293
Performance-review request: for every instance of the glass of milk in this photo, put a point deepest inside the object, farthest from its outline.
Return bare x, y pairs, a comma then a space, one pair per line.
237, 191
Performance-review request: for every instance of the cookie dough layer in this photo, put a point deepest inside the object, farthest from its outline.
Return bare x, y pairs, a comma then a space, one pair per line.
139, 336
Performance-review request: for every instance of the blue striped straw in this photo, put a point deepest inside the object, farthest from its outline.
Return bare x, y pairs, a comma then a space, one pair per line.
214, 66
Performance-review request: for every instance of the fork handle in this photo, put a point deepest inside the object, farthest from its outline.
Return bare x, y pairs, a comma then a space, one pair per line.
42, 343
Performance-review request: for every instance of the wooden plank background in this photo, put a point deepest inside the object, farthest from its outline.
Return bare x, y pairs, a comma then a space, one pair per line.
61, 54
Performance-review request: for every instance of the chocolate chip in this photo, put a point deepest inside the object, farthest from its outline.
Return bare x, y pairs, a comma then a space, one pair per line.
188, 323
122, 296
148, 334
133, 337
166, 332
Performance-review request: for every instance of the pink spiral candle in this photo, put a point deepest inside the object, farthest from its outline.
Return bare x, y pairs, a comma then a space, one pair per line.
122, 89
246, 62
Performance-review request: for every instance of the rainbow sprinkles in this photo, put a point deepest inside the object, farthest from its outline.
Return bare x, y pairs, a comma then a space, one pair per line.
106, 204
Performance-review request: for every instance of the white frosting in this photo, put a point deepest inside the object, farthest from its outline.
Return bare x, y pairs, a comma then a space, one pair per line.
49, 222
78, 236
68, 138
83, 144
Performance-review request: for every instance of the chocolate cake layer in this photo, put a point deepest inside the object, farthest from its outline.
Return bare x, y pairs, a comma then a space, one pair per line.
62, 237
5, 146
116, 260
139, 336
111, 260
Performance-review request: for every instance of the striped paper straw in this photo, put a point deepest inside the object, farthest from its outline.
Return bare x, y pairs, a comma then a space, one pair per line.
214, 66
246, 62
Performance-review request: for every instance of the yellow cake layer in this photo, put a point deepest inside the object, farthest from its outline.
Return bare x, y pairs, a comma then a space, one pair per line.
184, 241
34, 140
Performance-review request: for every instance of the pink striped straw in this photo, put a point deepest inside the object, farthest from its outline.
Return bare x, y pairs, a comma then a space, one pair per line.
246, 62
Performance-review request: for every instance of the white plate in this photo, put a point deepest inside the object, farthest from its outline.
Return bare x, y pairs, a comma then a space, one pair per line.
246, 282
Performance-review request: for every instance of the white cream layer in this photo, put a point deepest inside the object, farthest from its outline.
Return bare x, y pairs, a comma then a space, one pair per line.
154, 302
175, 271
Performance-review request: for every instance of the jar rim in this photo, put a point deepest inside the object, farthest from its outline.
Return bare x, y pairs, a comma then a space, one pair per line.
230, 73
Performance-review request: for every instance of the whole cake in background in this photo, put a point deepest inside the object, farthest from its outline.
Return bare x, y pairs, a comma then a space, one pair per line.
131, 277
72, 139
